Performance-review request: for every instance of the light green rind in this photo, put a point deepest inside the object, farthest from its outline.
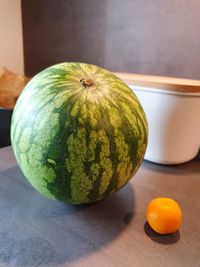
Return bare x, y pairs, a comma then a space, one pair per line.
78, 144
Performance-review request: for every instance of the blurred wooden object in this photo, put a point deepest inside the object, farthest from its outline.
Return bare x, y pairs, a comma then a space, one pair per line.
161, 82
11, 85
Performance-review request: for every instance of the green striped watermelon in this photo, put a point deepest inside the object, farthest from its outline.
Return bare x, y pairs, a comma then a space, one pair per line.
78, 132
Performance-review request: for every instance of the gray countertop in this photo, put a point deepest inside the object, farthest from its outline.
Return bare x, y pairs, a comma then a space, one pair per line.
36, 231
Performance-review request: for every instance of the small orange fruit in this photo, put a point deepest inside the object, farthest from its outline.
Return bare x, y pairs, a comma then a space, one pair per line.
164, 215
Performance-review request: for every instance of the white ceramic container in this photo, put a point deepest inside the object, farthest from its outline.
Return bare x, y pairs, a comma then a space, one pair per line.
172, 107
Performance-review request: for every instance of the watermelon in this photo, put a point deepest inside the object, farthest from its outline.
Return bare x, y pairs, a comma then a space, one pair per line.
78, 132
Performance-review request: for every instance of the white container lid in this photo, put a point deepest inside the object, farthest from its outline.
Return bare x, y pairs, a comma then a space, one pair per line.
161, 84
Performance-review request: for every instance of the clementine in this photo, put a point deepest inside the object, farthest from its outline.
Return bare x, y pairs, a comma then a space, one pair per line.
164, 215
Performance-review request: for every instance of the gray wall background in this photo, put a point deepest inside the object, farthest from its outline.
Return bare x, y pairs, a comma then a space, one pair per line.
159, 37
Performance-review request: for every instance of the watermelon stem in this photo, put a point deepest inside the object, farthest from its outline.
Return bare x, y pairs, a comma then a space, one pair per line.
87, 83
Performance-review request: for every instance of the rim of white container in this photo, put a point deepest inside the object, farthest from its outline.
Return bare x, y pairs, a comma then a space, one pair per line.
162, 91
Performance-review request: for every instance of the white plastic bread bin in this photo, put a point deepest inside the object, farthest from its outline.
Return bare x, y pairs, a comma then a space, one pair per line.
172, 107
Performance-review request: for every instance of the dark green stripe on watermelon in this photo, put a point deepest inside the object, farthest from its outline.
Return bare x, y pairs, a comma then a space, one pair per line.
78, 143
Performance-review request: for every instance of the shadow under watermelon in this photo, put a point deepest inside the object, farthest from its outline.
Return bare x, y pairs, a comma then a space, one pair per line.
36, 231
